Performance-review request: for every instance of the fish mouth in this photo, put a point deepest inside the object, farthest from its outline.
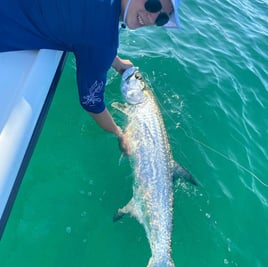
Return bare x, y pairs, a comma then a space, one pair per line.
128, 73
132, 87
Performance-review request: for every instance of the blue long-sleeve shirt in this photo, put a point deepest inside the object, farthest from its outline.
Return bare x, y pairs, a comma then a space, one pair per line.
88, 28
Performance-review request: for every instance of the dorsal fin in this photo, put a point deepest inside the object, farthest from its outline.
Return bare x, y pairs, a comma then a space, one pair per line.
180, 172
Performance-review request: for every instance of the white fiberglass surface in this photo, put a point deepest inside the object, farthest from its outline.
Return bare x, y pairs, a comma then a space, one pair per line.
25, 79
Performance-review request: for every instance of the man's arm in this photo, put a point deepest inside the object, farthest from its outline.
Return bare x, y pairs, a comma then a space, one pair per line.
120, 65
106, 122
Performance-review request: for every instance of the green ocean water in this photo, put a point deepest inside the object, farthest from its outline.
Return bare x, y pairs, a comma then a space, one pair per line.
211, 80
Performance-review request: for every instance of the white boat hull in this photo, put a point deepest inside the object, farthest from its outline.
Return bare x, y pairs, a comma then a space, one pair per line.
26, 78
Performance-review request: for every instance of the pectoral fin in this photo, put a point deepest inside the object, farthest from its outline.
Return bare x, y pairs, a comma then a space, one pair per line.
121, 107
180, 172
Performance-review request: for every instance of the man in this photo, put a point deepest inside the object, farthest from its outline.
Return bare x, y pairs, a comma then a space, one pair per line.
89, 29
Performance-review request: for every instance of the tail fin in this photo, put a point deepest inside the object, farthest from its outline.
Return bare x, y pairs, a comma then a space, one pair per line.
163, 262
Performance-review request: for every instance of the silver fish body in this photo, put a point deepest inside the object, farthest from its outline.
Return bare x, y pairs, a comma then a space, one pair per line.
153, 165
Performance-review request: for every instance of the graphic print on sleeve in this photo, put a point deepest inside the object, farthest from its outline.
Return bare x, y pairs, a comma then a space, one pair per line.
94, 95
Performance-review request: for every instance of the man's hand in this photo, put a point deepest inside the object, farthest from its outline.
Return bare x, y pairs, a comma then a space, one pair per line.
106, 122
124, 144
120, 65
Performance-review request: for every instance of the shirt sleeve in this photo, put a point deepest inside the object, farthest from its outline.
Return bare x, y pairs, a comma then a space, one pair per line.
92, 66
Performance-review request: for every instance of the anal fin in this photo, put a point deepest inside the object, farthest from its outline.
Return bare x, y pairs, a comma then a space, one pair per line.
126, 209
118, 216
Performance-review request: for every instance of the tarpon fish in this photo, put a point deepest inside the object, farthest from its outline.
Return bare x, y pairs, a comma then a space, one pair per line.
153, 164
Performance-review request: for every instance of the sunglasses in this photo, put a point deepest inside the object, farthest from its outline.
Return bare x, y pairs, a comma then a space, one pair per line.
154, 6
